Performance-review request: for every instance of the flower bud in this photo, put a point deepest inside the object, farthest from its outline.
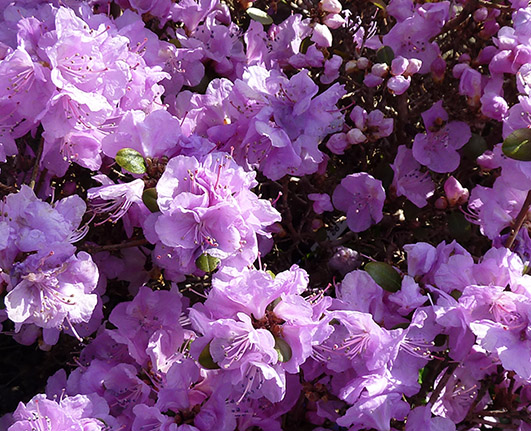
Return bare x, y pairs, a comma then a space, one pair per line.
351, 66
481, 14
441, 203
334, 21
363, 63
344, 260
330, 6
356, 136
455, 192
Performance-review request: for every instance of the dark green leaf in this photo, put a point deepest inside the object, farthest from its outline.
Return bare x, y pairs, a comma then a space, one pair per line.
131, 160
259, 15
283, 349
385, 55
459, 227
518, 145
305, 44
207, 263
205, 359
384, 275
475, 147
149, 197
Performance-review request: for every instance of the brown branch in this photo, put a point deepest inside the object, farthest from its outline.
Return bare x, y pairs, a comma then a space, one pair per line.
114, 247
35, 171
451, 25
442, 383
520, 218
492, 5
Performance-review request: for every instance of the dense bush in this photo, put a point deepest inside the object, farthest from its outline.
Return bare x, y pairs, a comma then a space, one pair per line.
278, 215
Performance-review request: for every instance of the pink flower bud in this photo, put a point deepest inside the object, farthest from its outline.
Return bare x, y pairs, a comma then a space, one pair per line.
371, 80
337, 143
321, 202
363, 63
351, 66
441, 203
455, 192
334, 21
398, 84
321, 35
458, 70
359, 116
356, 136
413, 67
481, 14
438, 69
399, 65
330, 6
380, 69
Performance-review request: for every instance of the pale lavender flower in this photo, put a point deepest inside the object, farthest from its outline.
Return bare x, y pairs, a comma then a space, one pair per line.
52, 287
207, 206
70, 413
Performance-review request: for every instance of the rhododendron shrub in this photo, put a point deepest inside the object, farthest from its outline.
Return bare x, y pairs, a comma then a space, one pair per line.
264, 215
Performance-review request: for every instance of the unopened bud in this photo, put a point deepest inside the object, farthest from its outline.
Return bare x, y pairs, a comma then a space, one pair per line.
330, 6
351, 66
455, 192
441, 203
363, 63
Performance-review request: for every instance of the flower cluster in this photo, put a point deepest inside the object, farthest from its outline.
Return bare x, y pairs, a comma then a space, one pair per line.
276, 215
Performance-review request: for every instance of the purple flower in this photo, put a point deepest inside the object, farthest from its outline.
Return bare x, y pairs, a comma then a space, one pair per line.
147, 323
420, 418
207, 206
115, 199
51, 287
438, 149
409, 181
70, 413
257, 328
362, 197
321, 202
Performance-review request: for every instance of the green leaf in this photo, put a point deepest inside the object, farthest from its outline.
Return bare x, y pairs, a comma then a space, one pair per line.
259, 15
384, 275
379, 3
283, 349
305, 44
475, 147
205, 359
385, 55
422, 374
176, 43
207, 263
517, 145
149, 197
131, 160
459, 227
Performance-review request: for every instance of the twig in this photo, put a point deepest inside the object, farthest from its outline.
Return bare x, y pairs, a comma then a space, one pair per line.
520, 218
467, 11
489, 4
7, 189
496, 424
442, 383
114, 247
35, 171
